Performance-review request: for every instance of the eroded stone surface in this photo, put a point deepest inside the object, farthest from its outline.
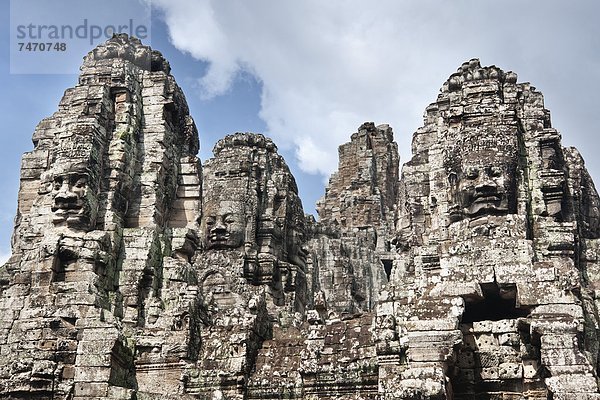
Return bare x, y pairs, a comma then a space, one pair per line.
489, 214
137, 273
100, 292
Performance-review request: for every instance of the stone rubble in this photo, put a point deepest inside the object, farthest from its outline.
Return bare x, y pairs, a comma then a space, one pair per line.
138, 273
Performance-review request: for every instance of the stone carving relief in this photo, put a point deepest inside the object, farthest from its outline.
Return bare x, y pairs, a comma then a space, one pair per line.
71, 199
225, 224
482, 177
138, 272
251, 205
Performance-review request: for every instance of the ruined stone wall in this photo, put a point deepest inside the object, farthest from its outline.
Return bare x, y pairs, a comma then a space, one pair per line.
350, 242
362, 193
137, 273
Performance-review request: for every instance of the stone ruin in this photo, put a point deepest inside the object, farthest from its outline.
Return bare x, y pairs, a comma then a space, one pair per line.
138, 273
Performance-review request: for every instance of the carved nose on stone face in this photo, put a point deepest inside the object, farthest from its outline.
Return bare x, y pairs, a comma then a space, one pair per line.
65, 197
219, 228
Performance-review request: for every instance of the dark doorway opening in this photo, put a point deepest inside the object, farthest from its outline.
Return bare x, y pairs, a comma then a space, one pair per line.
499, 302
387, 267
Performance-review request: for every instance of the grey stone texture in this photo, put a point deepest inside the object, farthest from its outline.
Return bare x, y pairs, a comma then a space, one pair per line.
138, 273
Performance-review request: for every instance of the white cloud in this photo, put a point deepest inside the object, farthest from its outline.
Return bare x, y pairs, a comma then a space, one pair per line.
328, 66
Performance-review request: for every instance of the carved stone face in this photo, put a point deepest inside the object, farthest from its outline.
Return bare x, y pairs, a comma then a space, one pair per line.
550, 155
296, 250
70, 200
484, 189
484, 186
225, 225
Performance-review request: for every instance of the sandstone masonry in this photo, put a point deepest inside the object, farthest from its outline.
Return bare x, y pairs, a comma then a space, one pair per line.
138, 273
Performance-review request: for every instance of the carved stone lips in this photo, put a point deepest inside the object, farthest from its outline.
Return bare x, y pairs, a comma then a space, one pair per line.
62, 214
66, 206
219, 238
486, 198
218, 241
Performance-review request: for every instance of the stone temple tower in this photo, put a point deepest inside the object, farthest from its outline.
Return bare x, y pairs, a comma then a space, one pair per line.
111, 186
493, 290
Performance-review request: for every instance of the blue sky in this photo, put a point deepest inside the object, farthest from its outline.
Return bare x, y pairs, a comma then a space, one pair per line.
308, 73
